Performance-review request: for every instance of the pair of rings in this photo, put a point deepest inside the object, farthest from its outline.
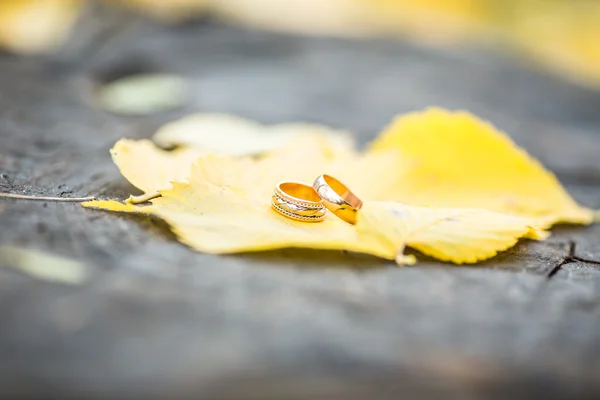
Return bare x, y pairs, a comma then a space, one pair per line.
302, 202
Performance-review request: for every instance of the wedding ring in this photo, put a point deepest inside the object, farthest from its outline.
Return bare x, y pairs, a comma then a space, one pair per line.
298, 201
338, 198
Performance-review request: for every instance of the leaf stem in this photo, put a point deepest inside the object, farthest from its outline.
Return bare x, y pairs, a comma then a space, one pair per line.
142, 198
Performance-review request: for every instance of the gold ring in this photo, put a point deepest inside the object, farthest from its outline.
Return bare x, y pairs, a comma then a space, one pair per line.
338, 198
298, 201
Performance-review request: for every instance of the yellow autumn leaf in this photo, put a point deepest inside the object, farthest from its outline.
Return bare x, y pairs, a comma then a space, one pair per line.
461, 161
444, 166
237, 136
225, 208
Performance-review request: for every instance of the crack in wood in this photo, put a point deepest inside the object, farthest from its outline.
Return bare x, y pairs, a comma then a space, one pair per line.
567, 260
570, 258
558, 267
585, 260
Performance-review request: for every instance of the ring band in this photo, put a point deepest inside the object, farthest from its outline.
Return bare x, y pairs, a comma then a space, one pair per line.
298, 201
338, 198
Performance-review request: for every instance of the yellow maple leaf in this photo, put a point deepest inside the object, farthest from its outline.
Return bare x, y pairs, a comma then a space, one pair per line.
229, 213
462, 161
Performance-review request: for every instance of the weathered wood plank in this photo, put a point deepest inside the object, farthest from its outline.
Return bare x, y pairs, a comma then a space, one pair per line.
157, 318
290, 331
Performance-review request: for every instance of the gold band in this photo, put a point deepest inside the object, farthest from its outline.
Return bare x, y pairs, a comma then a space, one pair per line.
298, 201
338, 198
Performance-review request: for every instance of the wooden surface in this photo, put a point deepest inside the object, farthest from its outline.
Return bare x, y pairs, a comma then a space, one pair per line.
156, 319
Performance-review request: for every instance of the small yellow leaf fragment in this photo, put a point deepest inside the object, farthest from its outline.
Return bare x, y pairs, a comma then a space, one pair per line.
461, 161
143, 94
403, 259
43, 265
456, 235
142, 198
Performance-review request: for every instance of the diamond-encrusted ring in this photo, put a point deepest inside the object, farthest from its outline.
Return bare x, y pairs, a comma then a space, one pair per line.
298, 201
338, 198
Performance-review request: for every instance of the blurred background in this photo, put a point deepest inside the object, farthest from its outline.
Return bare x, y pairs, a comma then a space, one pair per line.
158, 316
558, 36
